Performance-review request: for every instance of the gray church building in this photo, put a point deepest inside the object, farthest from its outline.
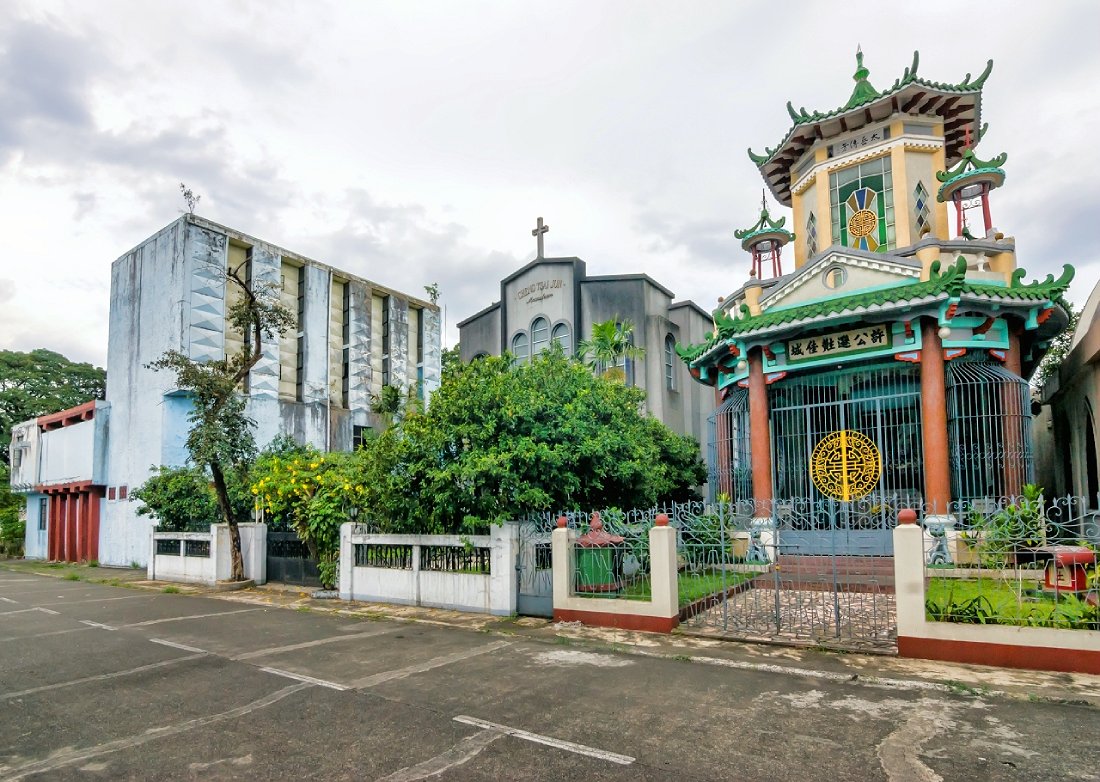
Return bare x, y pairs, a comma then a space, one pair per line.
556, 300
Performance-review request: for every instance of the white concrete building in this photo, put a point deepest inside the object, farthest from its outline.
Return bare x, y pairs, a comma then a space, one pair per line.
353, 337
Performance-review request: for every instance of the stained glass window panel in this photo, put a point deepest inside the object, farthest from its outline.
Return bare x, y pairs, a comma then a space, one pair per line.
862, 205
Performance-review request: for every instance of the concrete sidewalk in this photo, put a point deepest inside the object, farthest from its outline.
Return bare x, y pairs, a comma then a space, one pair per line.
881, 670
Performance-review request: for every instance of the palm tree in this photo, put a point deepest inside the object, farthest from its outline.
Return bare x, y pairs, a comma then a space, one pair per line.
611, 344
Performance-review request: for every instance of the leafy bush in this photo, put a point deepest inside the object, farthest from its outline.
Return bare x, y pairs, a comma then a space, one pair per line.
12, 528
182, 499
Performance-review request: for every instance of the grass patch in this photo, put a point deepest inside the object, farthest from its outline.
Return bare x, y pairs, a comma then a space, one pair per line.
1015, 602
72, 576
691, 586
93, 563
171, 590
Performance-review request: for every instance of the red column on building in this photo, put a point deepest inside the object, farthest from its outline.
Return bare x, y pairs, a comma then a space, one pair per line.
52, 535
937, 472
95, 497
760, 436
1012, 415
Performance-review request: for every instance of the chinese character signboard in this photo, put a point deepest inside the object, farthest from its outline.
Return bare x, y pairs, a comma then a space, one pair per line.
839, 343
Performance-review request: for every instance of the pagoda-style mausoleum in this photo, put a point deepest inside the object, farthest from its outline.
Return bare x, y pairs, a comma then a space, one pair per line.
887, 368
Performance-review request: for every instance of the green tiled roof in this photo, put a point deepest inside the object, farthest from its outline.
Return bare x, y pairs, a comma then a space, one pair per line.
950, 283
864, 93
972, 167
765, 225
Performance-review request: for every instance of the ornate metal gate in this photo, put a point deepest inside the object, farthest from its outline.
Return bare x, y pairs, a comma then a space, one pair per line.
534, 573
880, 403
289, 560
739, 578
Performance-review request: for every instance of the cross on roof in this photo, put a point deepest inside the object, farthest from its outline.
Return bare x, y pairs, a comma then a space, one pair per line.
538, 232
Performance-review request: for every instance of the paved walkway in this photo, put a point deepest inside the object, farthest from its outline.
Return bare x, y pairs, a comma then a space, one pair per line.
99, 681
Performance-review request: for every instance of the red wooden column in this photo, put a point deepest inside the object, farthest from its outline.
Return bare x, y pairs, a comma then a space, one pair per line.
760, 436
1012, 415
70, 527
937, 472
54, 533
95, 497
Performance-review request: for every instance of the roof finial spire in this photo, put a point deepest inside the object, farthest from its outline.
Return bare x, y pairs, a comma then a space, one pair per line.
861, 72
763, 201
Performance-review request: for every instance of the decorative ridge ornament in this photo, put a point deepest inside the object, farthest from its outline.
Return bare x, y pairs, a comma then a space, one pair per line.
863, 92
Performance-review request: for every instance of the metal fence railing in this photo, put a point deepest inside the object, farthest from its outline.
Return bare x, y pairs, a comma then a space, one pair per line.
1025, 561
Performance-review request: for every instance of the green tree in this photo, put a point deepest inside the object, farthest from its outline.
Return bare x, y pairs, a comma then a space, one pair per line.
611, 343
12, 527
220, 438
500, 441
314, 493
1059, 349
41, 382
182, 499
450, 357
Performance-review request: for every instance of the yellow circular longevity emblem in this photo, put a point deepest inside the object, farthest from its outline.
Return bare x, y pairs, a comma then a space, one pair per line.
845, 465
862, 223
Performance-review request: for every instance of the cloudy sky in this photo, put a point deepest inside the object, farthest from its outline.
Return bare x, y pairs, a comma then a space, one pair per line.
416, 142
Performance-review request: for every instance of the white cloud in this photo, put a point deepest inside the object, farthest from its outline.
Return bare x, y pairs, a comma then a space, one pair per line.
416, 143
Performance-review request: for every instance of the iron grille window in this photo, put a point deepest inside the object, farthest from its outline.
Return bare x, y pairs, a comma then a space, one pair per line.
989, 431
729, 454
196, 548
358, 437
390, 557
455, 559
880, 401
811, 234
43, 514
168, 548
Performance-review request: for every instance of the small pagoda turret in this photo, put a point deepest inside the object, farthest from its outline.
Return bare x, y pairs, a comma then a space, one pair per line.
968, 185
765, 240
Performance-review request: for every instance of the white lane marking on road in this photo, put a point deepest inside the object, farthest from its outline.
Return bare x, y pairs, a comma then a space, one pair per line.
97, 625
308, 644
28, 610
69, 757
148, 622
43, 635
100, 677
307, 679
435, 662
175, 645
465, 750
9, 600
811, 673
99, 600
569, 746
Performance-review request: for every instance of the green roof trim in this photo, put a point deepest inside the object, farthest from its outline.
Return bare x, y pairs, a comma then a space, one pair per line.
949, 282
864, 93
765, 225
972, 167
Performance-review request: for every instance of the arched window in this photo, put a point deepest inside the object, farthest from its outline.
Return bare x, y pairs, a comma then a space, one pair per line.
540, 335
670, 363
520, 348
560, 334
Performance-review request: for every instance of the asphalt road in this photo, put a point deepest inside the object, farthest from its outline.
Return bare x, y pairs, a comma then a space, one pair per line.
101, 682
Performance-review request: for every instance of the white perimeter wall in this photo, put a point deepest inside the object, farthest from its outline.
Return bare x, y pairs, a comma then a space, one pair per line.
490, 594
219, 565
